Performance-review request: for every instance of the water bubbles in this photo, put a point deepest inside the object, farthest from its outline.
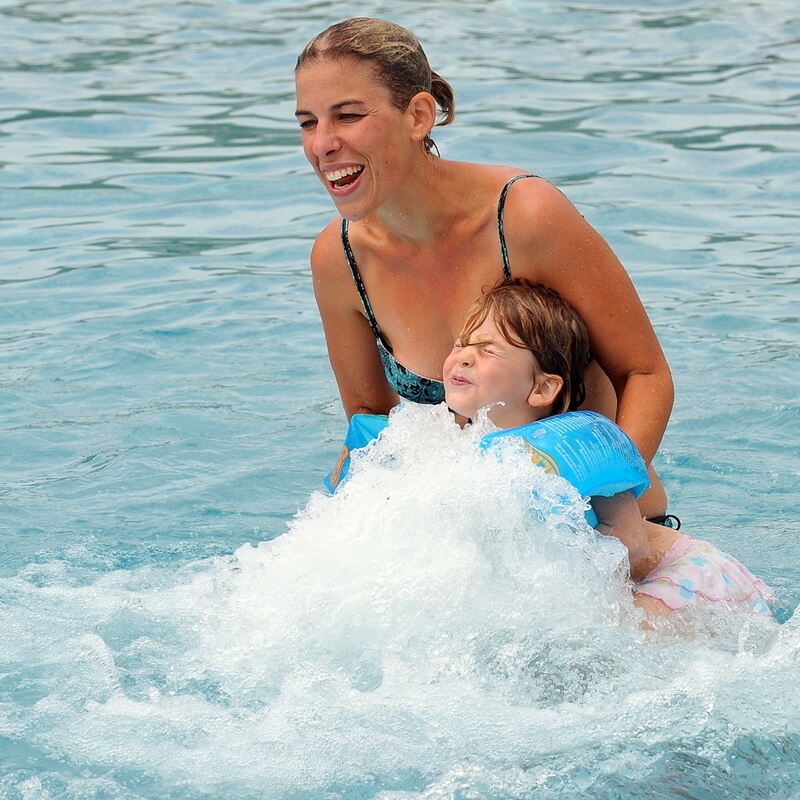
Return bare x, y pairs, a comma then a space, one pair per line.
428, 631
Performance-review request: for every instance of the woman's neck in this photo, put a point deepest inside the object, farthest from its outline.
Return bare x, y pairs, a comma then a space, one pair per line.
424, 207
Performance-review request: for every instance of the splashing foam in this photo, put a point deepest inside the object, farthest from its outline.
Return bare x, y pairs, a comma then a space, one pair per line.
433, 627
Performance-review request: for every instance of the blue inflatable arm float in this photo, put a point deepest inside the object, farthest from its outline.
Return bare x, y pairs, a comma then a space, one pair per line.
363, 429
587, 449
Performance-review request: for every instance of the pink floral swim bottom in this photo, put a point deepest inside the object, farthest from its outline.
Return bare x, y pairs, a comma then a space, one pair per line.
693, 571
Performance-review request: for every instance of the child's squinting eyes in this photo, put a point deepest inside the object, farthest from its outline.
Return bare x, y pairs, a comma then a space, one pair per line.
485, 347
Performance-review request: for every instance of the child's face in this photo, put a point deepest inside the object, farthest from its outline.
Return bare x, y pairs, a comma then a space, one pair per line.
488, 370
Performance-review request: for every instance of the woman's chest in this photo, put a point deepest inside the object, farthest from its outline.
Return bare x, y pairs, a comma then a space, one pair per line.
419, 297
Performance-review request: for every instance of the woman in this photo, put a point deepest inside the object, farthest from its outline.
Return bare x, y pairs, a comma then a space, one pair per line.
420, 237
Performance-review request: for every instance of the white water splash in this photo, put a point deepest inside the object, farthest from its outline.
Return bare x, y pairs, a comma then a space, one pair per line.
427, 632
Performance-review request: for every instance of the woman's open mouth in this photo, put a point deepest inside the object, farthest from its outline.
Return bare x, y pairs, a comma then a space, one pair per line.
342, 179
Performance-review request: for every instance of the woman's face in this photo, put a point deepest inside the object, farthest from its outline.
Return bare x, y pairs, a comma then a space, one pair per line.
356, 140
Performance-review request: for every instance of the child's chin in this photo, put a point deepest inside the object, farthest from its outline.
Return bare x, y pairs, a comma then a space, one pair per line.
457, 408
454, 405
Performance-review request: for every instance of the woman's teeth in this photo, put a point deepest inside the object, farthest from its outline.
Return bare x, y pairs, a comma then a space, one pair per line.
338, 175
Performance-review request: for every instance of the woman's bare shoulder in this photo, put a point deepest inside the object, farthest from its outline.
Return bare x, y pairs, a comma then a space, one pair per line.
550, 241
333, 281
485, 183
537, 211
537, 197
327, 254
493, 176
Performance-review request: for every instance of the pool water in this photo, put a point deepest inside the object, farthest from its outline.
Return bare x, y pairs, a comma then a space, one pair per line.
168, 627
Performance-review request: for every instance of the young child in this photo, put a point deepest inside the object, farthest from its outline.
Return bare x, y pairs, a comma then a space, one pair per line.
522, 353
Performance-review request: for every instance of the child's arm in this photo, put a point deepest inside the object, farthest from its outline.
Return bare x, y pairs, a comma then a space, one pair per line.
620, 516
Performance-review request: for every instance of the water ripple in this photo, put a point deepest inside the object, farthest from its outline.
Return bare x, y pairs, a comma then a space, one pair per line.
165, 388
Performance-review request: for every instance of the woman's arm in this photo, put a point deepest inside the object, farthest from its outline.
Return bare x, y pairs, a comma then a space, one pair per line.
619, 516
351, 343
550, 242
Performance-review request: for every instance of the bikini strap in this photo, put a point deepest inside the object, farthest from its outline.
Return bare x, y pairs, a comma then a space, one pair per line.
354, 271
501, 207
351, 261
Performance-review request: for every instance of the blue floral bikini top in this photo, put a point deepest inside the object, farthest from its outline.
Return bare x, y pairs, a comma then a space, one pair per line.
406, 383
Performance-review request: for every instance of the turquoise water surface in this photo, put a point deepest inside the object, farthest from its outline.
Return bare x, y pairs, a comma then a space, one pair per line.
167, 628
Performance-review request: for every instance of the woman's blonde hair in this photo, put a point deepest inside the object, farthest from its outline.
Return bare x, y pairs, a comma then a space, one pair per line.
399, 61
538, 318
